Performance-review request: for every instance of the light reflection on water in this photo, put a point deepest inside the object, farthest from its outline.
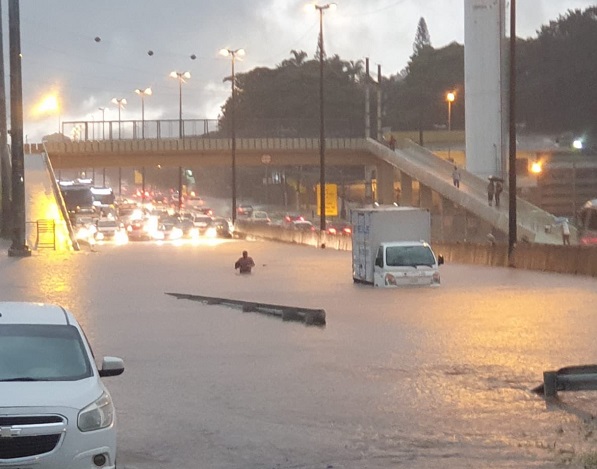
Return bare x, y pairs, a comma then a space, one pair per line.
398, 378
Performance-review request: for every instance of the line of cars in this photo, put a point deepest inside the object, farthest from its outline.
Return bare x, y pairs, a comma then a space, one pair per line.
165, 224
293, 222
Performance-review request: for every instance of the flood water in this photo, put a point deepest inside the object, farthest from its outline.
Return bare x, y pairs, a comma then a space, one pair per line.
413, 378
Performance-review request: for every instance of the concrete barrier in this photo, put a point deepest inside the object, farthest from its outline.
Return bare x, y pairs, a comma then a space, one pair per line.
308, 316
575, 260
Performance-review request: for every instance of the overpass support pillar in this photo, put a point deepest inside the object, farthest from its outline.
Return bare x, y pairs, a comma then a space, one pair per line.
425, 197
385, 184
406, 190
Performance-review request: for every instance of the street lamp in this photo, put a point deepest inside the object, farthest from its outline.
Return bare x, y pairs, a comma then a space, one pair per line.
49, 105
103, 109
142, 93
321, 9
120, 102
181, 76
450, 97
233, 54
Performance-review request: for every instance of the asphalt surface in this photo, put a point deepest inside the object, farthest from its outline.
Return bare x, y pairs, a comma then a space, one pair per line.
413, 378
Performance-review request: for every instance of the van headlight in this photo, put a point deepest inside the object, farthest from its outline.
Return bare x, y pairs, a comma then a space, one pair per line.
436, 278
97, 415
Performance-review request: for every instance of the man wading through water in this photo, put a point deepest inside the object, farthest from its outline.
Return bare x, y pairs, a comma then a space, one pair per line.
245, 263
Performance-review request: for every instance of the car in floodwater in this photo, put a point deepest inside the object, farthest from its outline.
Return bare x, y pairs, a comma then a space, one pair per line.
55, 412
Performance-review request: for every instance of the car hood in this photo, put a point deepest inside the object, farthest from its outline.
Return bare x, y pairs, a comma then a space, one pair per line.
72, 394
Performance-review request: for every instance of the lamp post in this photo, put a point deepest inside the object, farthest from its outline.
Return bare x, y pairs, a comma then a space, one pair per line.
450, 97
19, 246
120, 102
142, 93
181, 76
321, 9
512, 221
103, 109
233, 54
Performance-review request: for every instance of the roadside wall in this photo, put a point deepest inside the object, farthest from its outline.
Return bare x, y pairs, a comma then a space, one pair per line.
577, 260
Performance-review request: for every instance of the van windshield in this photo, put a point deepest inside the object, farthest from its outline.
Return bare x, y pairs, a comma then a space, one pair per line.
403, 256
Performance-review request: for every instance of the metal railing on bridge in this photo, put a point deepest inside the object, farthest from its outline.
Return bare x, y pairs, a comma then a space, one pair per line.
174, 129
137, 129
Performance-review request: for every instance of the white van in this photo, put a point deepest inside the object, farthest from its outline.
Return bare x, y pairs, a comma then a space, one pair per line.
406, 263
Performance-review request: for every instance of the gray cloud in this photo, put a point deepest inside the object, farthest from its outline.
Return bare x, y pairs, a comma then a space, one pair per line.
60, 53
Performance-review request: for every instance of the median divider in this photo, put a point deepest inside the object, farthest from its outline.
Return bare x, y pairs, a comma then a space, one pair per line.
308, 316
575, 260
570, 378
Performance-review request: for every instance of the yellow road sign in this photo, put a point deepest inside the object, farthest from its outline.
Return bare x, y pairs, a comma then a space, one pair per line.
331, 200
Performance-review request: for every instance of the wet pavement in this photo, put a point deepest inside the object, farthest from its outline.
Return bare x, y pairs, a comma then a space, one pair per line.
413, 378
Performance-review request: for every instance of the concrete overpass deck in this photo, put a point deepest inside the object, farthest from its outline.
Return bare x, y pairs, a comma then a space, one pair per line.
413, 162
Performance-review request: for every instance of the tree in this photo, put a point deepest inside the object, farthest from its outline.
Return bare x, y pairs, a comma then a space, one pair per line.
422, 38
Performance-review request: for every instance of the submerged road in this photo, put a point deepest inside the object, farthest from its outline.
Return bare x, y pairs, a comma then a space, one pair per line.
413, 378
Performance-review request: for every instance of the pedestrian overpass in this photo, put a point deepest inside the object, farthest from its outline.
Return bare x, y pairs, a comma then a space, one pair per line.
423, 178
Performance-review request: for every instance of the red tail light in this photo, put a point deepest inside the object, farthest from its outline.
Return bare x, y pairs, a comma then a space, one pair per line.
347, 230
332, 231
588, 240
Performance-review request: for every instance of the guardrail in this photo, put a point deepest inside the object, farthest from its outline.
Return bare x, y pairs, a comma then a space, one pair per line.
570, 378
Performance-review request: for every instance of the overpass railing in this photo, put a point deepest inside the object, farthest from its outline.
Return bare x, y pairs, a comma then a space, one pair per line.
138, 129
186, 128
199, 144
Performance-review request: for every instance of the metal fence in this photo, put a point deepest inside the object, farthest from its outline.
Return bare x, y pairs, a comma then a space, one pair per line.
174, 128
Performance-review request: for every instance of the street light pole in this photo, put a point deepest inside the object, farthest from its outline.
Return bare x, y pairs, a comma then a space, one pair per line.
512, 222
233, 54
19, 246
103, 109
321, 9
450, 97
120, 102
6, 214
142, 93
181, 78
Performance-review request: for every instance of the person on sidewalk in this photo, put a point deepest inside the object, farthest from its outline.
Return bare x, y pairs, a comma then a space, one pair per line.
499, 188
490, 192
565, 233
244, 264
456, 177
392, 143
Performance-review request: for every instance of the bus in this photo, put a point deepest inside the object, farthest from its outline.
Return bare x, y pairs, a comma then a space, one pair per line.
77, 198
587, 224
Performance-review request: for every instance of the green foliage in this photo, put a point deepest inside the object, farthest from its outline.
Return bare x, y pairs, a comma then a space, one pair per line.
557, 73
556, 92
422, 38
284, 101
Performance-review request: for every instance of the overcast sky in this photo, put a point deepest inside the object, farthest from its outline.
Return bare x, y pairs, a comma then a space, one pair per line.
60, 54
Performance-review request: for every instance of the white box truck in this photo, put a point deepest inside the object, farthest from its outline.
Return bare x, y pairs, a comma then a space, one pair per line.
390, 247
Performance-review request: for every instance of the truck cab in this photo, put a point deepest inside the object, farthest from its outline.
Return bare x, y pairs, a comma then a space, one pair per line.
406, 263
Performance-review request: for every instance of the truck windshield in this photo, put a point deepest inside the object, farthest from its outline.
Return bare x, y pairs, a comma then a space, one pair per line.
402, 256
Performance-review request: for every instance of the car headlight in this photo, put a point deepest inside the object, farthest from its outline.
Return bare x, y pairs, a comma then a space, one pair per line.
97, 415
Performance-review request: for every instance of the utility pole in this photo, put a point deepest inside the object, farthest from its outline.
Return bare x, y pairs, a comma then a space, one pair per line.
5, 169
19, 246
367, 98
379, 128
512, 225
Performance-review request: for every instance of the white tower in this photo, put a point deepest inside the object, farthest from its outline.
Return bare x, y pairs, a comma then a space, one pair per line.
485, 82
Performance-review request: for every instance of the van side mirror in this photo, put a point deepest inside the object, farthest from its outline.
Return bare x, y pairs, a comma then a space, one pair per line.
379, 262
440, 259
